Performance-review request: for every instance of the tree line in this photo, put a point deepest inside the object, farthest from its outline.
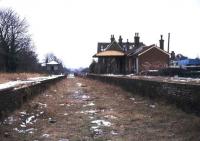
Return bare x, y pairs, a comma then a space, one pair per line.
16, 46
17, 50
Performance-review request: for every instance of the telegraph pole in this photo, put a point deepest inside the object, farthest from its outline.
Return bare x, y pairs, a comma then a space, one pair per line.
168, 42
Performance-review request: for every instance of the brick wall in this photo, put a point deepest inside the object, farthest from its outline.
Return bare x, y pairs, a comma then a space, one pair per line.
12, 99
153, 59
185, 96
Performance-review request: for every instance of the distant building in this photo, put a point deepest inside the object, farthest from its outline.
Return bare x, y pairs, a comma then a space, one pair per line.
52, 67
130, 57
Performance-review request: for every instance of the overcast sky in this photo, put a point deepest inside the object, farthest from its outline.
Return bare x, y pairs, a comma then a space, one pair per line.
71, 28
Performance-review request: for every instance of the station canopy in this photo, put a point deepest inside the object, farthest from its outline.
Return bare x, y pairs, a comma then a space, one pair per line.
110, 53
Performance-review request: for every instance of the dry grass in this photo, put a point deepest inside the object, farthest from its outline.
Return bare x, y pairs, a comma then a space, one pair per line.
5, 77
138, 119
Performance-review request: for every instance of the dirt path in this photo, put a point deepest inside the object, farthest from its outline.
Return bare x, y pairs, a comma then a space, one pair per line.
86, 110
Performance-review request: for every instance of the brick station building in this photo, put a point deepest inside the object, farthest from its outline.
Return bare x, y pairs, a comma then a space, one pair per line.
130, 57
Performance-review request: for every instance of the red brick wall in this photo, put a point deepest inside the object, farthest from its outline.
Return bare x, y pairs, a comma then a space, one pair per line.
153, 59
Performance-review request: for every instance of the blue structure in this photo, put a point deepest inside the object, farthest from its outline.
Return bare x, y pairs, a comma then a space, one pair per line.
189, 62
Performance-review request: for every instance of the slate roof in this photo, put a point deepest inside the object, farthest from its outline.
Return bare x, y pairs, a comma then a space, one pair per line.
125, 46
143, 49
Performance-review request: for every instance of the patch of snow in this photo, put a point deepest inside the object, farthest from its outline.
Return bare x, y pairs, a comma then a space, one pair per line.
115, 75
41, 104
90, 117
132, 98
30, 130
62, 104
10, 120
88, 112
85, 97
63, 140
29, 119
89, 104
45, 135
79, 84
13, 84
113, 132
23, 125
110, 117
130, 75
23, 113
68, 105
152, 106
30, 81
96, 130
65, 114
101, 123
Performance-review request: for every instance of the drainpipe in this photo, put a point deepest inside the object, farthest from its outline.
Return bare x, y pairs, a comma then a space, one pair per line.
137, 67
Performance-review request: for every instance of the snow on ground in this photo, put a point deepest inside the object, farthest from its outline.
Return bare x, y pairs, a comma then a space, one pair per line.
29, 81
175, 79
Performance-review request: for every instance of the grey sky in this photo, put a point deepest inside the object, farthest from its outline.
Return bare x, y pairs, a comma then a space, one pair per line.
72, 28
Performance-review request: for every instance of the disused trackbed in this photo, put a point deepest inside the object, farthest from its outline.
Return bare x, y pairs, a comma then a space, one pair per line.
86, 110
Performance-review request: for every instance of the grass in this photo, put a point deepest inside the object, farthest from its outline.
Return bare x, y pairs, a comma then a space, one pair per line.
5, 77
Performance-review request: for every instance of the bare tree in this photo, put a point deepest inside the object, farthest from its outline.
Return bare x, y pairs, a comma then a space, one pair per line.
14, 39
51, 57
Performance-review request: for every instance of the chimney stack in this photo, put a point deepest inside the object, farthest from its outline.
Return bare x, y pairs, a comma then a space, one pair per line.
161, 42
112, 38
127, 45
137, 39
120, 40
